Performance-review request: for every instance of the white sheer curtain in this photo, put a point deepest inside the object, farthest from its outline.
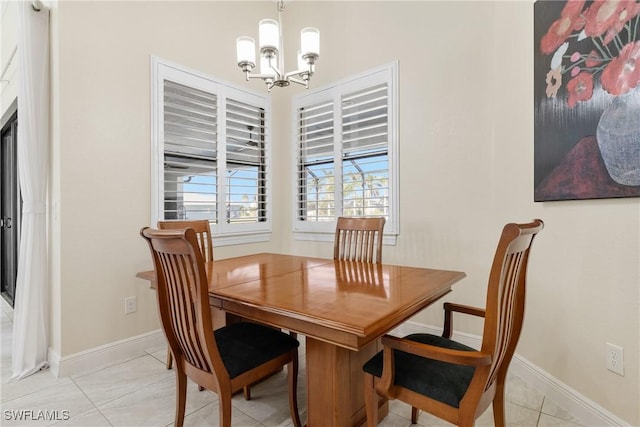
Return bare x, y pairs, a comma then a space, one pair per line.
31, 316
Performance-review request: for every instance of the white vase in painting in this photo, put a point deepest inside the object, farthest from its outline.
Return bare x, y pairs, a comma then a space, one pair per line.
618, 135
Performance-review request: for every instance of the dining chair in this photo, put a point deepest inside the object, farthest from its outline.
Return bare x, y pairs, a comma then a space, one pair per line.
448, 379
359, 239
224, 360
203, 233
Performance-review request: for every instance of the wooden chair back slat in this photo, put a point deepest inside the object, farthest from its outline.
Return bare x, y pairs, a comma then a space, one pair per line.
359, 239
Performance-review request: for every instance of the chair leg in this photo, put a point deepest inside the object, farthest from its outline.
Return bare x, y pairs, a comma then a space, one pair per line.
246, 391
292, 376
181, 397
498, 406
415, 412
169, 358
224, 400
370, 400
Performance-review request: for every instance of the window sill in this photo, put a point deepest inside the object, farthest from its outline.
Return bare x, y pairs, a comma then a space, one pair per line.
241, 239
315, 236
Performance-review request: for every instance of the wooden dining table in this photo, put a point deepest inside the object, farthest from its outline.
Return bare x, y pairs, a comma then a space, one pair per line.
342, 308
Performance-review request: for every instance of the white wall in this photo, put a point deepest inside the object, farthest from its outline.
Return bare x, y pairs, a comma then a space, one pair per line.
466, 168
101, 175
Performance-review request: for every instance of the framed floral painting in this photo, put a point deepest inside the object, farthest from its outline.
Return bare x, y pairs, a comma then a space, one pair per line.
587, 99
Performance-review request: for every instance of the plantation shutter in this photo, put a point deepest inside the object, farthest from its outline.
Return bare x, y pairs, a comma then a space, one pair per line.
246, 162
346, 140
365, 142
190, 152
316, 162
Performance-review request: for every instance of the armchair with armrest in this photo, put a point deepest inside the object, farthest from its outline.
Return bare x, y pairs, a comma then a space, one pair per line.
448, 379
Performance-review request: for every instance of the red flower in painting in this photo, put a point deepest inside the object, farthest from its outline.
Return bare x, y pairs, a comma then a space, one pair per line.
623, 72
609, 30
580, 88
609, 16
568, 22
593, 59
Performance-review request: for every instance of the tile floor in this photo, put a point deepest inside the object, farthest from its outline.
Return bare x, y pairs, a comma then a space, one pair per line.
140, 392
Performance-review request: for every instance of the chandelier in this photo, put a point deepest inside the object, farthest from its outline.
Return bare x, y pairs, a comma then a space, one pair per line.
272, 57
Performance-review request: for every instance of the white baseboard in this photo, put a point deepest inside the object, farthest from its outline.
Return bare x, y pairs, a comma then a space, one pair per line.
579, 406
105, 355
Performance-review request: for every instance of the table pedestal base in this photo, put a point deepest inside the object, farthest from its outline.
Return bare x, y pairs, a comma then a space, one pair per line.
335, 384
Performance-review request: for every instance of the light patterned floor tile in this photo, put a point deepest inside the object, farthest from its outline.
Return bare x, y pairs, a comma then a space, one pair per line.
550, 421
515, 415
549, 407
153, 405
5, 317
5, 308
394, 420
45, 406
209, 416
160, 355
13, 389
518, 392
91, 418
124, 378
6, 340
269, 402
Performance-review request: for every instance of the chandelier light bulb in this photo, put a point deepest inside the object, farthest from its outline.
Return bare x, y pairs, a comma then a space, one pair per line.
246, 50
310, 41
269, 34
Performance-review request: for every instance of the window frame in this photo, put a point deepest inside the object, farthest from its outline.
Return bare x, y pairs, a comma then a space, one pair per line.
324, 230
224, 232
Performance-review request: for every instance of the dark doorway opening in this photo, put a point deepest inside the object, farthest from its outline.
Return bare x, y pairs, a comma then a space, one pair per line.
10, 208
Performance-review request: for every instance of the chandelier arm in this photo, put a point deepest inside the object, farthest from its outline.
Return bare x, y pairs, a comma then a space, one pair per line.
304, 74
301, 82
260, 76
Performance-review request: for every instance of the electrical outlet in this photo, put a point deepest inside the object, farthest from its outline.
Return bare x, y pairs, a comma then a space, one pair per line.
130, 305
615, 359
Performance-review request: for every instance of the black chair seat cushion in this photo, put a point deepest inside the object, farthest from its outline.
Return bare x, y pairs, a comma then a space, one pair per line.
445, 382
245, 345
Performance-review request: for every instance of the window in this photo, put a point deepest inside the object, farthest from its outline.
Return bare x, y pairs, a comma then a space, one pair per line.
211, 154
346, 147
